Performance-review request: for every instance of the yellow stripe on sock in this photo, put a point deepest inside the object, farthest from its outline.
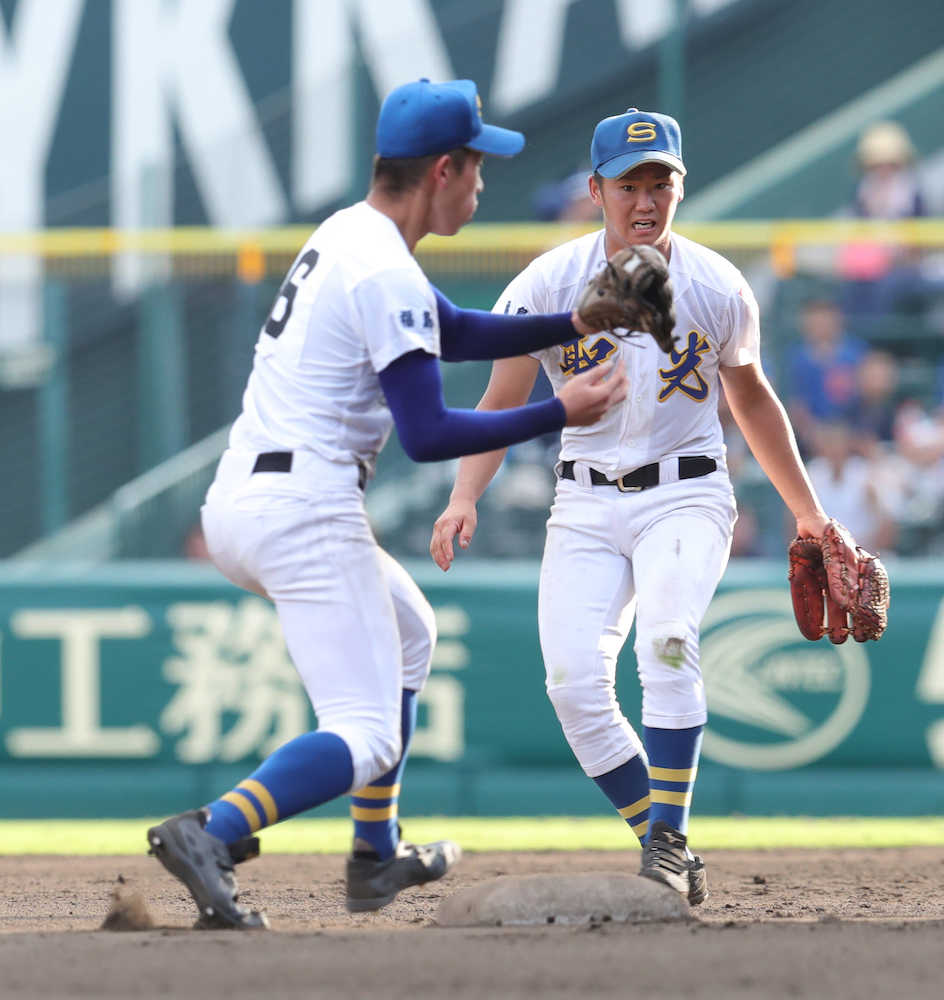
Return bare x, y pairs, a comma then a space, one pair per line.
670, 798
672, 773
377, 792
640, 805
262, 794
641, 829
245, 807
373, 815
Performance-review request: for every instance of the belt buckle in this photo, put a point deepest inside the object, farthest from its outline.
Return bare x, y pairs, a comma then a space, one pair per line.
623, 488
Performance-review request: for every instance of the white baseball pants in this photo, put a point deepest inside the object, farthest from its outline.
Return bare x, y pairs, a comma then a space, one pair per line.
357, 627
609, 556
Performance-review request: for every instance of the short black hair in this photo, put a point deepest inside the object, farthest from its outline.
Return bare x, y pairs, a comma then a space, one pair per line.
395, 176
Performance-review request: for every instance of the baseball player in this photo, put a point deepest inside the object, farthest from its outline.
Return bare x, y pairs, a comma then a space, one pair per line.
352, 346
643, 514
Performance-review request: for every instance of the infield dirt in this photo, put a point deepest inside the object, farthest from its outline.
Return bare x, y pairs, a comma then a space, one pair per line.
777, 924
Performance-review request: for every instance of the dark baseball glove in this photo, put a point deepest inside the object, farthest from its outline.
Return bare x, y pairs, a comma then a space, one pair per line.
631, 295
837, 587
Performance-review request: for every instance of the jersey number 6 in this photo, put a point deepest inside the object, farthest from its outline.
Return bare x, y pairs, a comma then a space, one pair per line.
282, 308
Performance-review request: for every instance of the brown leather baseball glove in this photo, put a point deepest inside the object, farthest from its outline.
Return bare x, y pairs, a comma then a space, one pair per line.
837, 587
632, 294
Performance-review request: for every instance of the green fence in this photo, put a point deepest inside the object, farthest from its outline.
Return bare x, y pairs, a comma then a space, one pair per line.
144, 689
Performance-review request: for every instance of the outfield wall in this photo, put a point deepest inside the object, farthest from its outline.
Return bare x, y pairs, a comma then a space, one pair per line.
142, 689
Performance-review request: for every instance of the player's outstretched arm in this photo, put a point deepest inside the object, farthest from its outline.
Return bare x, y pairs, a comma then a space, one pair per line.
766, 428
476, 335
429, 431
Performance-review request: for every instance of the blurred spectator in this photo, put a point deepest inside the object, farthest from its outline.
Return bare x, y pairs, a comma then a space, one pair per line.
888, 187
873, 409
919, 440
919, 433
822, 370
847, 487
882, 280
567, 200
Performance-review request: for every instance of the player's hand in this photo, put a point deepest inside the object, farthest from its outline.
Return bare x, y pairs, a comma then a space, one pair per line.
459, 518
588, 396
812, 525
582, 328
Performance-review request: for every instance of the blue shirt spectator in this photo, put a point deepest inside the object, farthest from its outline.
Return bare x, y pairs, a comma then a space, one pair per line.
822, 370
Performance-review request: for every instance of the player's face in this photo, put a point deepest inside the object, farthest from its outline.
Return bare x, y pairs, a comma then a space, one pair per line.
457, 198
639, 206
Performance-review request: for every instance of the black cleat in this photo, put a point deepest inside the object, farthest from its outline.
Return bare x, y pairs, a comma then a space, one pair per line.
205, 866
697, 881
666, 859
244, 849
372, 883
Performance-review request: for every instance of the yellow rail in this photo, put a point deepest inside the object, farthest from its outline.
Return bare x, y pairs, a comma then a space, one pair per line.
502, 238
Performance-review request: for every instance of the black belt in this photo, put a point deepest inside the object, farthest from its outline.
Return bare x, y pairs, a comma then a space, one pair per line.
689, 467
281, 461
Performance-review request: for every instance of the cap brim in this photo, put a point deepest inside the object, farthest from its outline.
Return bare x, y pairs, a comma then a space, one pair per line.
497, 141
620, 164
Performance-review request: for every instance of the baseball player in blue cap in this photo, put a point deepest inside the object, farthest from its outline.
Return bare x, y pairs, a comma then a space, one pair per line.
352, 347
644, 509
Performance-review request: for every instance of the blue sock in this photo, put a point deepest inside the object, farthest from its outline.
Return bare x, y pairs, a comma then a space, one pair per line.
305, 772
673, 763
374, 808
627, 787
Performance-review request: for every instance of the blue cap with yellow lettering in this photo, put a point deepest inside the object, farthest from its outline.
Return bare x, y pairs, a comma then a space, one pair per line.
624, 141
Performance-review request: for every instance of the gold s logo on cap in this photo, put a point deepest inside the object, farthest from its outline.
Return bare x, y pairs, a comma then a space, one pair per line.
478, 104
641, 132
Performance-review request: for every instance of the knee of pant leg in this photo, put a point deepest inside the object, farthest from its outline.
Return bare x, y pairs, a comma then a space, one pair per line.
386, 749
673, 690
374, 750
580, 700
669, 644
593, 724
563, 698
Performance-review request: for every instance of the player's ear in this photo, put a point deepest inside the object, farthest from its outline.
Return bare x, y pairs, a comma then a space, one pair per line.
680, 184
442, 169
596, 195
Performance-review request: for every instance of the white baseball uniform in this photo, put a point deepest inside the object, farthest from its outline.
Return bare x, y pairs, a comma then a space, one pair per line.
657, 553
357, 627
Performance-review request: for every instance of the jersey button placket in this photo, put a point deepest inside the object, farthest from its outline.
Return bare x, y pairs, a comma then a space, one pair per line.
631, 434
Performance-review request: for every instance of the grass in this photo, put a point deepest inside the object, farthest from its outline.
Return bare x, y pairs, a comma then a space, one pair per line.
516, 833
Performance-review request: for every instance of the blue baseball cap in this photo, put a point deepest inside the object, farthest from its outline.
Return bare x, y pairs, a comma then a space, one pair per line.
423, 118
624, 141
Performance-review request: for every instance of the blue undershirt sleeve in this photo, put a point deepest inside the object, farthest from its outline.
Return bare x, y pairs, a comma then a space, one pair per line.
476, 335
429, 431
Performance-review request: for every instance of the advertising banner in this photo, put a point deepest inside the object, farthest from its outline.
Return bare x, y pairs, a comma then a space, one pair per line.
144, 677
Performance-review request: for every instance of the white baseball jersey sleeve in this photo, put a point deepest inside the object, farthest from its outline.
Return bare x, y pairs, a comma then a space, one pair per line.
671, 408
354, 301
